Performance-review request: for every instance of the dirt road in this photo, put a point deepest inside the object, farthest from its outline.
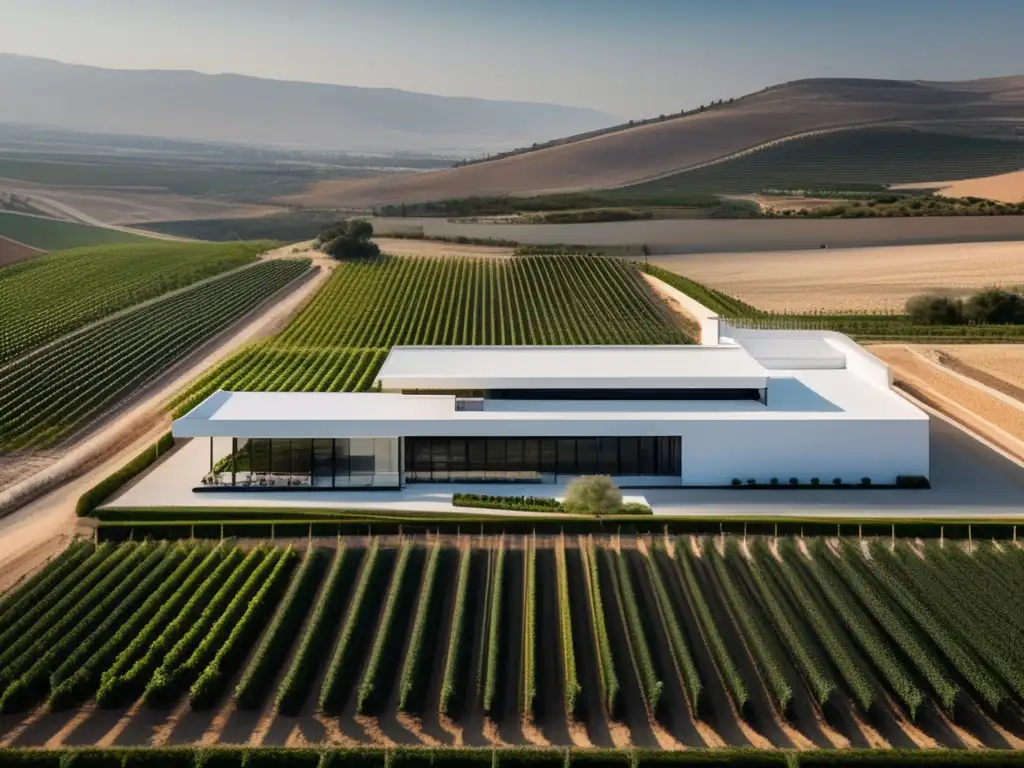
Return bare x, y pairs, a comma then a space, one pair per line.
29, 534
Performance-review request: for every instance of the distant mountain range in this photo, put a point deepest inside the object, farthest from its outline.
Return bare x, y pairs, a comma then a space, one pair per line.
250, 110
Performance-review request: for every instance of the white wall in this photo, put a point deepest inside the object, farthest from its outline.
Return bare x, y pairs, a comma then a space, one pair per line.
716, 452
858, 360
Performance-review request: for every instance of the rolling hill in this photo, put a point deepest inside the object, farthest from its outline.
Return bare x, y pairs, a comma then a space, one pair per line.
248, 110
991, 108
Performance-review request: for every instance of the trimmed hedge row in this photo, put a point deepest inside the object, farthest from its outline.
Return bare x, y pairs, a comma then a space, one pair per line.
212, 524
508, 757
108, 486
252, 689
532, 504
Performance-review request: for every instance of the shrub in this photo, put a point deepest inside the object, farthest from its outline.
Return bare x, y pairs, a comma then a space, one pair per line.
837, 481
736, 483
935, 310
995, 307
592, 494
865, 481
751, 481
815, 481
774, 481
635, 508
794, 481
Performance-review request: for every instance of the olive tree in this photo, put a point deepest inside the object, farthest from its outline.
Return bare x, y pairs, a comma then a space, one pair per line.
592, 495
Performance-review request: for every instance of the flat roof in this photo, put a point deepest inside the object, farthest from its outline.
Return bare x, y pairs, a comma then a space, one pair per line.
597, 367
793, 395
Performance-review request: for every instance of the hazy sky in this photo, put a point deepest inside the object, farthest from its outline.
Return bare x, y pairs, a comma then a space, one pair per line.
628, 57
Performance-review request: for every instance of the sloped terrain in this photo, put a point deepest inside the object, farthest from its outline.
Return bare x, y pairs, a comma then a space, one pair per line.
989, 107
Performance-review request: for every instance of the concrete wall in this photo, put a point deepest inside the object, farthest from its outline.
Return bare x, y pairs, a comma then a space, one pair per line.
716, 452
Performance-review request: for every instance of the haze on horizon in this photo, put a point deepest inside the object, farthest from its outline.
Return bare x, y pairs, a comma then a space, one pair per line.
630, 59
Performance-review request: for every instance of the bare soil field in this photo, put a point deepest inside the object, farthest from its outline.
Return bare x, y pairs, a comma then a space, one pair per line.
653, 150
995, 419
11, 252
128, 205
1005, 187
854, 279
397, 246
714, 236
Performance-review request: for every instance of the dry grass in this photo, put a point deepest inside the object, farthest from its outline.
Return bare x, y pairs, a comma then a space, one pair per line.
1005, 187
852, 279
661, 148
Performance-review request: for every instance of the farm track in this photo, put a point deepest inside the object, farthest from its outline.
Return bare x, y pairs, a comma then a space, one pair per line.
591, 705
674, 711
550, 706
969, 726
634, 710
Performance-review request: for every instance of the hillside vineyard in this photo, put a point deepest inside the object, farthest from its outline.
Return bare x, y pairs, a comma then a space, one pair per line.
340, 340
52, 295
692, 641
46, 395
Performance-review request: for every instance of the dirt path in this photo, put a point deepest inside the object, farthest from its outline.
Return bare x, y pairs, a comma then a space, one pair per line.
997, 366
37, 529
674, 713
11, 251
591, 706
965, 402
549, 703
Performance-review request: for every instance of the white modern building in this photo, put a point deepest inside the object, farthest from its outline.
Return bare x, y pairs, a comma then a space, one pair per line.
745, 405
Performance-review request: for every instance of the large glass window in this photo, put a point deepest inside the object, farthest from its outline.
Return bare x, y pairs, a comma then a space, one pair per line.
460, 459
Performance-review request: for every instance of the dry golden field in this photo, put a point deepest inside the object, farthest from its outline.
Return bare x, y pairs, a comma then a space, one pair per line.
852, 279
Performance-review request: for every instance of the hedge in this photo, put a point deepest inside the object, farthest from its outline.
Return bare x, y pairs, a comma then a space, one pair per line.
261, 524
509, 757
106, 487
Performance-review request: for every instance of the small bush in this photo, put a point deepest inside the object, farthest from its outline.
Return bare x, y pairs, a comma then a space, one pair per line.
837, 481
865, 481
815, 481
751, 481
635, 508
935, 310
774, 481
736, 482
794, 481
592, 494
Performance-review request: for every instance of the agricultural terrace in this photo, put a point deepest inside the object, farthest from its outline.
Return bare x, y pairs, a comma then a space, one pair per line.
865, 327
48, 394
52, 295
56, 235
836, 160
340, 340
521, 639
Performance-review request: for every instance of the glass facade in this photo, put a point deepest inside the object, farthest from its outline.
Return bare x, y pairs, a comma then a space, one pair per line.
458, 459
307, 463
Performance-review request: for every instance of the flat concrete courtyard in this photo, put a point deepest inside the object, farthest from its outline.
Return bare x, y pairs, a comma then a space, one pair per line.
968, 479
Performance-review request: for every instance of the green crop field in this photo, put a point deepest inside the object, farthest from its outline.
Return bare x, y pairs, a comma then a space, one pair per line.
54, 235
854, 157
689, 641
51, 295
340, 340
862, 327
48, 394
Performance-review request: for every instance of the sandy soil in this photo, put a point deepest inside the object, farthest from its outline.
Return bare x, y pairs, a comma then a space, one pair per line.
788, 202
397, 246
993, 418
1005, 187
129, 205
852, 279
659, 148
31, 533
991, 364
11, 251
